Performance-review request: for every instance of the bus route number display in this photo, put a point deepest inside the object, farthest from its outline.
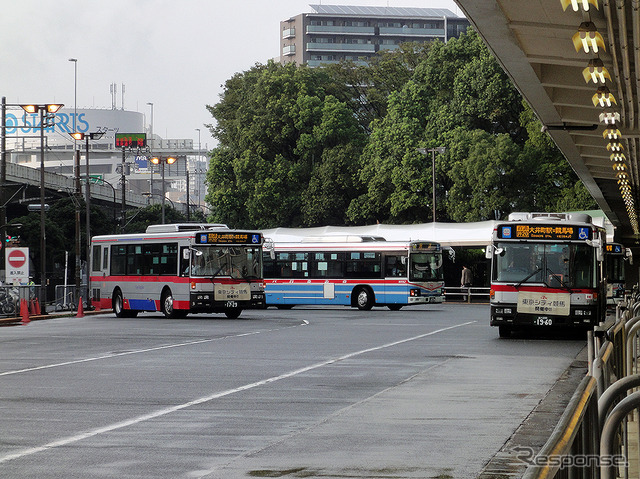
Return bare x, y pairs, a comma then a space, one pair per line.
545, 232
131, 140
228, 238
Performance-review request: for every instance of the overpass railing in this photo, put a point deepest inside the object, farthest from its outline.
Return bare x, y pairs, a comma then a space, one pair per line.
597, 435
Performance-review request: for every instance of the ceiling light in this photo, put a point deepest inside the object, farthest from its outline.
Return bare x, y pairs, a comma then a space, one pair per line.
603, 97
609, 117
588, 38
596, 72
615, 146
611, 134
576, 4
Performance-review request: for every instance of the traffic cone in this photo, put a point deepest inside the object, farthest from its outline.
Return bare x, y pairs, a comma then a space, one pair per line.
80, 309
32, 308
37, 306
24, 311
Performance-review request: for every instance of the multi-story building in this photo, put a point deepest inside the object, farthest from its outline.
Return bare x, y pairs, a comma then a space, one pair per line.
332, 33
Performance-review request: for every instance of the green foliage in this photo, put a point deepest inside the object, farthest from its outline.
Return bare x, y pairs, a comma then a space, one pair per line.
339, 144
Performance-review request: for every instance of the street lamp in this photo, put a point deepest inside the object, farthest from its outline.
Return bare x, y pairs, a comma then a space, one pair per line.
75, 91
169, 161
47, 115
87, 198
151, 146
149, 194
433, 151
113, 188
198, 168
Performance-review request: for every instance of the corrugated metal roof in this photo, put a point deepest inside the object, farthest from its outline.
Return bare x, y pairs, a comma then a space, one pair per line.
407, 12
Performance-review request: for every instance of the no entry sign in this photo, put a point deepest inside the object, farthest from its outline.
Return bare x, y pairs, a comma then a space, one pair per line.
17, 264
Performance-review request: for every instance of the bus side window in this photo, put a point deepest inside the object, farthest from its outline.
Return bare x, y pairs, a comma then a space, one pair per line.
105, 258
184, 261
96, 259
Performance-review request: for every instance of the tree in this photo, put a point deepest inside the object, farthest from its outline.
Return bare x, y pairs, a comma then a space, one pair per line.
276, 126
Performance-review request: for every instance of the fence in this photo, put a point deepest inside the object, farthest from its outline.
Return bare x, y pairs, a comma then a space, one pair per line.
67, 297
466, 294
597, 436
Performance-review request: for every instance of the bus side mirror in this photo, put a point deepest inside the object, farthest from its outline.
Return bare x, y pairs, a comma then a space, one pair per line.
185, 253
599, 255
488, 252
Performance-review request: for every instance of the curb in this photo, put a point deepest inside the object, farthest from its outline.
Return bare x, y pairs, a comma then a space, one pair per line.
40, 317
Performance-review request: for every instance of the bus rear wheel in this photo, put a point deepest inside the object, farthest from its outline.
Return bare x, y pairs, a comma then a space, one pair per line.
117, 304
364, 299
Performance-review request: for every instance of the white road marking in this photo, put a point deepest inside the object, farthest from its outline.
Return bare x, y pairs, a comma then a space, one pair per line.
163, 412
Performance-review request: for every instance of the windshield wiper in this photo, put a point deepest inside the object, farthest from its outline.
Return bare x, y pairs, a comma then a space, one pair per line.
527, 277
558, 278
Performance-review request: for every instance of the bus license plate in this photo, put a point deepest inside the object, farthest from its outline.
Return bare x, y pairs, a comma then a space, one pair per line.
231, 304
543, 321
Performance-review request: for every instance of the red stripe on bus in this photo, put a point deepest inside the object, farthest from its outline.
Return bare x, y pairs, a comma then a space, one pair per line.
507, 287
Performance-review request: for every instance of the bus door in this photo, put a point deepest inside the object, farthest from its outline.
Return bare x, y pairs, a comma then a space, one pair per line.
395, 287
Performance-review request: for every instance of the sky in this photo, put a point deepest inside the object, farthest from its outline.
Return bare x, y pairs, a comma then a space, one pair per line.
174, 54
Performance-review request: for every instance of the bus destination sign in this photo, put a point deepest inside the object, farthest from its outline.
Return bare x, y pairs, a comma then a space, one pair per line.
613, 248
544, 232
425, 247
228, 238
131, 140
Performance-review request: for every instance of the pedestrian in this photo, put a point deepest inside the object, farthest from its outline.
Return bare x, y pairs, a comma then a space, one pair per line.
465, 281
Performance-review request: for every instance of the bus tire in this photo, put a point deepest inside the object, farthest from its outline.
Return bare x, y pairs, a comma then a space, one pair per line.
504, 331
232, 313
166, 303
117, 303
364, 298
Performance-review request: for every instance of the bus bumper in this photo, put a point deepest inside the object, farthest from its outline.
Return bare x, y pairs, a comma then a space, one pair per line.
579, 317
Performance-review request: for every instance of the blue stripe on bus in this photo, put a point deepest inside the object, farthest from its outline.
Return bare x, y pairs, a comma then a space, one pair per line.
142, 304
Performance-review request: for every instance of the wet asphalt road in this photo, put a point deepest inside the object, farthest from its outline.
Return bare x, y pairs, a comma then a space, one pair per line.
425, 392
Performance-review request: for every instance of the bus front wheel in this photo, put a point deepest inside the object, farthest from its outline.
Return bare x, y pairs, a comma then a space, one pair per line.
233, 313
166, 304
504, 331
364, 299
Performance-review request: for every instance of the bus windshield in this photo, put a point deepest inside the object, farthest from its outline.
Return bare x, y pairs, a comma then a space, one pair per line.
425, 267
615, 268
558, 265
239, 262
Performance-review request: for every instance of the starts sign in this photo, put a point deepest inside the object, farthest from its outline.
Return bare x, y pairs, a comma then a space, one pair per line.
17, 265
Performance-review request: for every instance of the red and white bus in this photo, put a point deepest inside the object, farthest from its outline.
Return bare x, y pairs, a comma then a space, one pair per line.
178, 269
547, 272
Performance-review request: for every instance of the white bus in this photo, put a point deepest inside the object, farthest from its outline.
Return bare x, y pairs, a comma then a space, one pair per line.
353, 270
178, 269
547, 272
615, 257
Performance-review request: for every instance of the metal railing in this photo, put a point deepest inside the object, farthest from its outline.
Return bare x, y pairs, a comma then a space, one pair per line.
594, 437
465, 294
67, 297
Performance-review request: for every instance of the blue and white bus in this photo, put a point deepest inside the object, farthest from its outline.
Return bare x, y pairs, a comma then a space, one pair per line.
352, 270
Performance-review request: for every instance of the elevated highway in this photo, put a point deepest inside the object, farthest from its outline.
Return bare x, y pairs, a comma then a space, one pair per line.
28, 179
